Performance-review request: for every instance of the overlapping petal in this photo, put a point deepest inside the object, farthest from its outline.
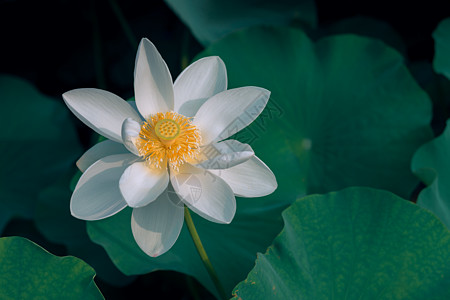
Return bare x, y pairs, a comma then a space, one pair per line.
204, 193
157, 225
97, 195
198, 82
99, 150
130, 131
153, 88
224, 155
228, 112
141, 184
103, 111
249, 179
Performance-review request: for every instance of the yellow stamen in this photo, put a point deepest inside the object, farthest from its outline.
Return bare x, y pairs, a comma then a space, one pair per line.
168, 138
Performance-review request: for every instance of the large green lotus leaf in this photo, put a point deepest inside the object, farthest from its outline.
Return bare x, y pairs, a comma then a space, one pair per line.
369, 27
431, 163
431, 83
441, 61
344, 111
37, 143
438, 88
231, 248
211, 20
27, 271
54, 221
359, 243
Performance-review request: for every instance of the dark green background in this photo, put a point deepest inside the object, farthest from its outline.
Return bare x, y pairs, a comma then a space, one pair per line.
50, 43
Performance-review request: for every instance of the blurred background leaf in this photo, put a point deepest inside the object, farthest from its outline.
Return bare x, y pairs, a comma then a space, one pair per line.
344, 111
38, 142
432, 76
441, 35
28, 271
55, 222
365, 26
438, 88
431, 164
211, 20
358, 243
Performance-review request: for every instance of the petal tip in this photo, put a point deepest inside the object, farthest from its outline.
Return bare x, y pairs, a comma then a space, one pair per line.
79, 166
228, 221
143, 41
66, 96
264, 91
74, 214
231, 218
218, 59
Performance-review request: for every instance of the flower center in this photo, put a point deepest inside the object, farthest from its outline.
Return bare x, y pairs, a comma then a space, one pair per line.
167, 131
168, 138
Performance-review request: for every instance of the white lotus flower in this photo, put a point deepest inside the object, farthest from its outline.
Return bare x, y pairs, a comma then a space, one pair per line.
168, 146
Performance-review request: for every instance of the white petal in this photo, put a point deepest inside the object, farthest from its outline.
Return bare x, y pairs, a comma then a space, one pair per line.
103, 111
224, 155
249, 179
157, 226
228, 112
141, 184
198, 82
153, 86
204, 193
99, 150
97, 195
130, 131
134, 106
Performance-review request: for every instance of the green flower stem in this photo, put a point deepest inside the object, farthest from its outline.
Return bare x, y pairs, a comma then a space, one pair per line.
123, 22
201, 251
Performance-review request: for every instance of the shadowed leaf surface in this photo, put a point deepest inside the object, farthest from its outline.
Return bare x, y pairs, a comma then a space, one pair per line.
38, 143
431, 163
441, 61
27, 271
55, 222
